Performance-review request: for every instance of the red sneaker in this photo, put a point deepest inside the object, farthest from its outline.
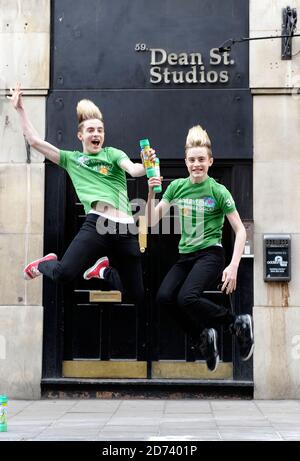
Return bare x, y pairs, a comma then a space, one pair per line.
95, 271
31, 270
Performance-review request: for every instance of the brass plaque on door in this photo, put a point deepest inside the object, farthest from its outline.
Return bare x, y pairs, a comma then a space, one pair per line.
190, 370
104, 369
99, 296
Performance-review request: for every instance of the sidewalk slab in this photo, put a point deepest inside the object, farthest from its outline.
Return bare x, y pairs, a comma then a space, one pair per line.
161, 420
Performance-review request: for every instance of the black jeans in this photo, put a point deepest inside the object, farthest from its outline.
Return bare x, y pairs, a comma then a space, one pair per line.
181, 292
89, 245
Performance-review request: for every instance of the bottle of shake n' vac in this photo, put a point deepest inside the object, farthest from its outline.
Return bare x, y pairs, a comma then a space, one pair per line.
3, 413
152, 168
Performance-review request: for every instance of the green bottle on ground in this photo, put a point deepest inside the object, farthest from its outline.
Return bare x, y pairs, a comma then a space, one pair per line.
3, 413
152, 168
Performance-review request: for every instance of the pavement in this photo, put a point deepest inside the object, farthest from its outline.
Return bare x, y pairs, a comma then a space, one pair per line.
152, 420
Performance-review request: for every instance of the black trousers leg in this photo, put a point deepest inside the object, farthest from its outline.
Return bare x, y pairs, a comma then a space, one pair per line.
83, 251
88, 246
181, 293
202, 312
128, 264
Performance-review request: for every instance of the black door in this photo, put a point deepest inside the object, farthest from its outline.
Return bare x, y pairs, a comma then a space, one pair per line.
95, 55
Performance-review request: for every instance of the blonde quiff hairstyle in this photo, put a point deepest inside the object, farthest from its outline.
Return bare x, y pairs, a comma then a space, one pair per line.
87, 110
197, 137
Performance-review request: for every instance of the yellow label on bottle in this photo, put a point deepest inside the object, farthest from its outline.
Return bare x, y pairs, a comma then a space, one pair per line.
147, 162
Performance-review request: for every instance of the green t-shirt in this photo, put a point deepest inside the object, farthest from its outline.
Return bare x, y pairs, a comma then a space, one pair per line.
202, 208
98, 177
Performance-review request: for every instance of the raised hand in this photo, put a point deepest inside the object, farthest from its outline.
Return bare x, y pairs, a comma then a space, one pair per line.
154, 181
16, 97
151, 153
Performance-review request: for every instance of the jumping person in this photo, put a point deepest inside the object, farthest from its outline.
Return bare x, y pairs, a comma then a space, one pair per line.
202, 204
98, 175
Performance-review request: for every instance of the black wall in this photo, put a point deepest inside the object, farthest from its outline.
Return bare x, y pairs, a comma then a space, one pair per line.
93, 56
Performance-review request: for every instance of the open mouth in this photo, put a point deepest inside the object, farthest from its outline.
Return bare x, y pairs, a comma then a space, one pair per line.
96, 143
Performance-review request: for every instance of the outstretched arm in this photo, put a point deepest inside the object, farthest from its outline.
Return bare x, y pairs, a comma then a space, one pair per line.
136, 169
133, 169
31, 135
230, 272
